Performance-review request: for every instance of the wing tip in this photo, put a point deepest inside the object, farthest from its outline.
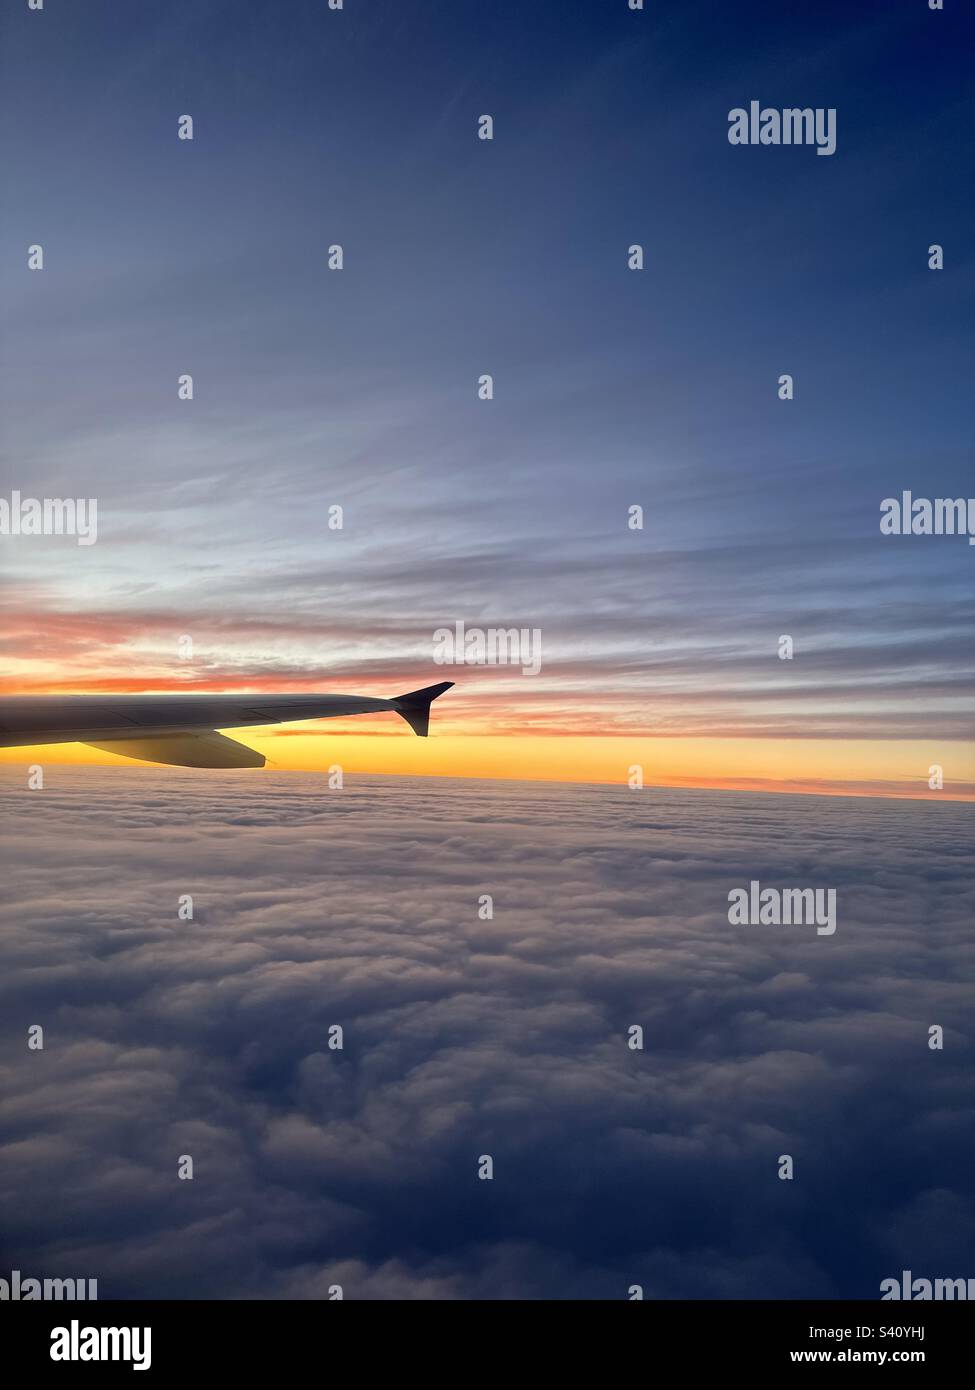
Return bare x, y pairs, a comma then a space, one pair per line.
414, 706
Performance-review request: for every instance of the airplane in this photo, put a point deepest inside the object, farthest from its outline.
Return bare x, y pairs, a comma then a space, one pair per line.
181, 730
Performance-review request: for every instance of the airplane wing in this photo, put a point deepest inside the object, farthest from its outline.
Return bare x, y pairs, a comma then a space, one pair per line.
183, 750
181, 729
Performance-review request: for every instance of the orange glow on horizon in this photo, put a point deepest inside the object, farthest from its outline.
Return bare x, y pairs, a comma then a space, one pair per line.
884, 768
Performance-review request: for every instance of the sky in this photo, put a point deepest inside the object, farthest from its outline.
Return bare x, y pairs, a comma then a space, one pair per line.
612, 388
466, 1036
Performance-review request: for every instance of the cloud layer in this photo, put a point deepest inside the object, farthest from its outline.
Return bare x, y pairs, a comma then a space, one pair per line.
465, 1037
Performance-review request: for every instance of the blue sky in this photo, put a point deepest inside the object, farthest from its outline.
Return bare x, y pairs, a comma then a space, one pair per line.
462, 257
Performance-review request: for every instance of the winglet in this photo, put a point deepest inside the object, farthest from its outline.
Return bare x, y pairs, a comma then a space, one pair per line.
415, 706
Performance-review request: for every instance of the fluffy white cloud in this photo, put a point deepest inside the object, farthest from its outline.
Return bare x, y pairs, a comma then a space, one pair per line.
464, 1037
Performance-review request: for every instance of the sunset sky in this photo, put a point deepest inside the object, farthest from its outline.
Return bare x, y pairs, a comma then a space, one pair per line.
612, 388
